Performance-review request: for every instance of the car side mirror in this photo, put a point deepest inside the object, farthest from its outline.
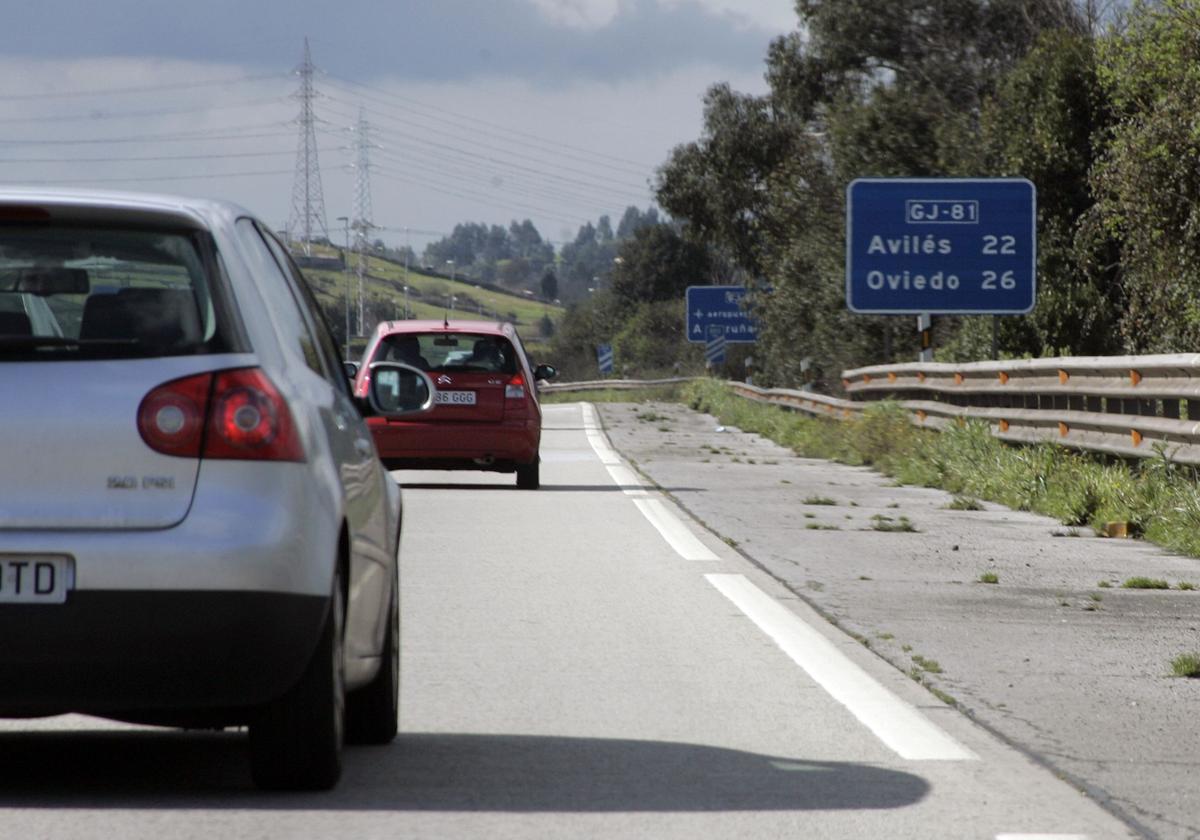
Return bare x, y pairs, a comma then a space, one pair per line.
398, 390
545, 372
350, 369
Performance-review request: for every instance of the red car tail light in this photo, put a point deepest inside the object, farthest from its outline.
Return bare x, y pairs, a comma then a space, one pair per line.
515, 389
234, 414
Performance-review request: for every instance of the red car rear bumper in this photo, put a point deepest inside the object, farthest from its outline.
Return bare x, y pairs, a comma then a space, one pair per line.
456, 445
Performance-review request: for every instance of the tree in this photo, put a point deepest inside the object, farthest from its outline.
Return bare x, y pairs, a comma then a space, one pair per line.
549, 286
871, 88
1147, 181
658, 264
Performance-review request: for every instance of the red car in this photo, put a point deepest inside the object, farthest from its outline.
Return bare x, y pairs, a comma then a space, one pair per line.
486, 415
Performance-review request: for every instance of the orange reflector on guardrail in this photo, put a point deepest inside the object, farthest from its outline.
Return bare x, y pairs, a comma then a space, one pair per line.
958, 379
1135, 377
920, 376
866, 377
891, 376
1063, 377
1003, 378
921, 415
1137, 437
1063, 428
1004, 425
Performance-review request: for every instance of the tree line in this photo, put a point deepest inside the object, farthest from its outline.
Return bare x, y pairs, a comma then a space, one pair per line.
1096, 106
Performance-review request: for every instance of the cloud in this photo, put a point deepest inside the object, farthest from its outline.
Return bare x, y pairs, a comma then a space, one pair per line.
544, 42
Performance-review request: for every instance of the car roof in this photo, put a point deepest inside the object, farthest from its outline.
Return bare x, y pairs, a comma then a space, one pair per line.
447, 326
79, 204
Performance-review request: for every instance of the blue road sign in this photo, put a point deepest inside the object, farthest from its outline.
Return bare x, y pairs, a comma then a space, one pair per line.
604, 358
941, 245
719, 308
714, 347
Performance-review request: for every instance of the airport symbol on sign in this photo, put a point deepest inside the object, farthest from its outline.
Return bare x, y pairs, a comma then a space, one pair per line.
941, 246
718, 310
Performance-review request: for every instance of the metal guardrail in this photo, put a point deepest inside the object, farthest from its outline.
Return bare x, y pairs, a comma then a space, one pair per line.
1124, 405
818, 405
1132, 406
611, 384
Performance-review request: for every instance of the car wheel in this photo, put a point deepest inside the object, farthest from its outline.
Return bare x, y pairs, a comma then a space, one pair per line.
373, 712
527, 476
296, 741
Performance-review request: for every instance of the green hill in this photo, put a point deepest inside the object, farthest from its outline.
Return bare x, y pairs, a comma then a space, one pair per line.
428, 296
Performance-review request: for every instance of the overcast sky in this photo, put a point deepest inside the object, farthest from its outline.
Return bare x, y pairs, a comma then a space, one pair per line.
479, 110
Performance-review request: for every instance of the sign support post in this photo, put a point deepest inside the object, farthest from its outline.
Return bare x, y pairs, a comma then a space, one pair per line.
925, 328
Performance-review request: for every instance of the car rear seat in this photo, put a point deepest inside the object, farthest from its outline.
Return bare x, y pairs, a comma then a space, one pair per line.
15, 323
164, 318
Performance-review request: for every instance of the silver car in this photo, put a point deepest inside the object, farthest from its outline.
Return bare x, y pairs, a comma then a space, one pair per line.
195, 529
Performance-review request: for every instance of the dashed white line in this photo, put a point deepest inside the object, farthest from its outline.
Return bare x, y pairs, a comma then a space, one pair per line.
677, 535
673, 531
895, 722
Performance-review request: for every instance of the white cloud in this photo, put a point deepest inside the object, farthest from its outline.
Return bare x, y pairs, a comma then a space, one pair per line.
579, 14
770, 15
483, 151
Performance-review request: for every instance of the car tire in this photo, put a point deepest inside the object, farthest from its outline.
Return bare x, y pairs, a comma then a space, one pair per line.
296, 741
527, 475
373, 711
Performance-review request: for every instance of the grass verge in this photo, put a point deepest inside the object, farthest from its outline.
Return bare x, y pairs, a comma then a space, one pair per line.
657, 393
1186, 665
1160, 499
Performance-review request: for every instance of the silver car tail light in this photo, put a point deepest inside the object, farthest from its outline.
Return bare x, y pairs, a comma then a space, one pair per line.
233, 414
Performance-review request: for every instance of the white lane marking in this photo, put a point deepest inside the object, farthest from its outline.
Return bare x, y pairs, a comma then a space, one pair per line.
591, 425
898, 724
673, 531
629, 481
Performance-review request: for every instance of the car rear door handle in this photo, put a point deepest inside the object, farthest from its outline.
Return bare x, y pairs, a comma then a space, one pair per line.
363, 447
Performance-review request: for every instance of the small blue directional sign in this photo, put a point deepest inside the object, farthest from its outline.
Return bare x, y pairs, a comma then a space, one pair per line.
604, 359
719, 308
941, 246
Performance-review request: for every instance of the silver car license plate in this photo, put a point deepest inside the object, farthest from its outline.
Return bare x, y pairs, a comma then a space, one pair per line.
35, 578
455, 398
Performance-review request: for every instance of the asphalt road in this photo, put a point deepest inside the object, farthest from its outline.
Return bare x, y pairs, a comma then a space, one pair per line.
581, 661
1055, 657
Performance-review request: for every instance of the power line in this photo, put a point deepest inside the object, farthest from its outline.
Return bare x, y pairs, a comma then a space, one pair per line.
481, 198
334, 79
20, 97
207, 135
97, 116
141, 158
543, 173
493, 142
467, 176
156, 178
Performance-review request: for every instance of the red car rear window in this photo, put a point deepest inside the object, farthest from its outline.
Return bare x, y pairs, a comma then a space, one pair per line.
449, 352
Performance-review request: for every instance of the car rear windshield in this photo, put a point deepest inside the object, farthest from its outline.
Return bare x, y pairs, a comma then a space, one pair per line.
449, 352
100, 293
